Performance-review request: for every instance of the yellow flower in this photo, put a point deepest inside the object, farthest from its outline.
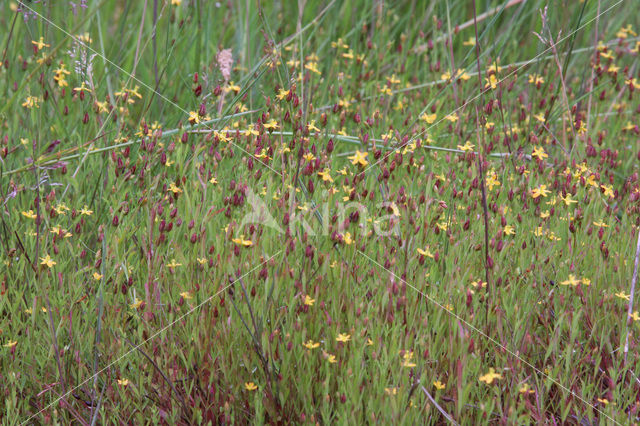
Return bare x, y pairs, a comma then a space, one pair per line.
29, 214
241, 241
525, 388
123, 382
468, 146
10, 344
347, 238
601, 224
310, 344
540, 117
309, 301
331, 359
344, 338
429, 118
97, 276
312, 66
571, 281
470, 42
82, 88
391, 391
136, 304
31, 102
194, 118
173, 188
173, 264
509, 230
492, 81
540, 191
439, 385
186, 295
326, 177
490, 376
47, 261
621, 295
359, 158
452, 117
271, 125
282, 94
538, 151
85, 211
426, 252
536, 79
492, 181
39, 44
568, 200
634, 316
608, 190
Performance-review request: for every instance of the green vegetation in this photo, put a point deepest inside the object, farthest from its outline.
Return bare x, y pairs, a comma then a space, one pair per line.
252, 212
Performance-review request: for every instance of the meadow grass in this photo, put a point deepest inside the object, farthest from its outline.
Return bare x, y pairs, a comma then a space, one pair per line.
319, 212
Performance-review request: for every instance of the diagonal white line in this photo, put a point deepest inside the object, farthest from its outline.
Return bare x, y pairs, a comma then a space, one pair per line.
499, 81
131, 76
162, 330
491, 339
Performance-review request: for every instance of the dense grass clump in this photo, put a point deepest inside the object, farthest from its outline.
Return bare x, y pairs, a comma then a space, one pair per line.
319, 212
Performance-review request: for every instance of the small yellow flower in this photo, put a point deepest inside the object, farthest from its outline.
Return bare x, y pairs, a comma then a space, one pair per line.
194, 117
29, 214
310, 344
426, 252
539, 152
10, 344
572, 281
439, 385
344, 338
241, 241
429, 118
623, 296
540, 191
525, 388
173, 264
568, 200
85, 211
123, 382
309, 301
186, 295
250, 386
470, 42
47, 261
136, 304
536, 79
271, 125
492, 181
282, 94
40, 44
31, 102
467, 147
325, 175
359, 158
490, 376
509, 230
492, 81
97, 276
